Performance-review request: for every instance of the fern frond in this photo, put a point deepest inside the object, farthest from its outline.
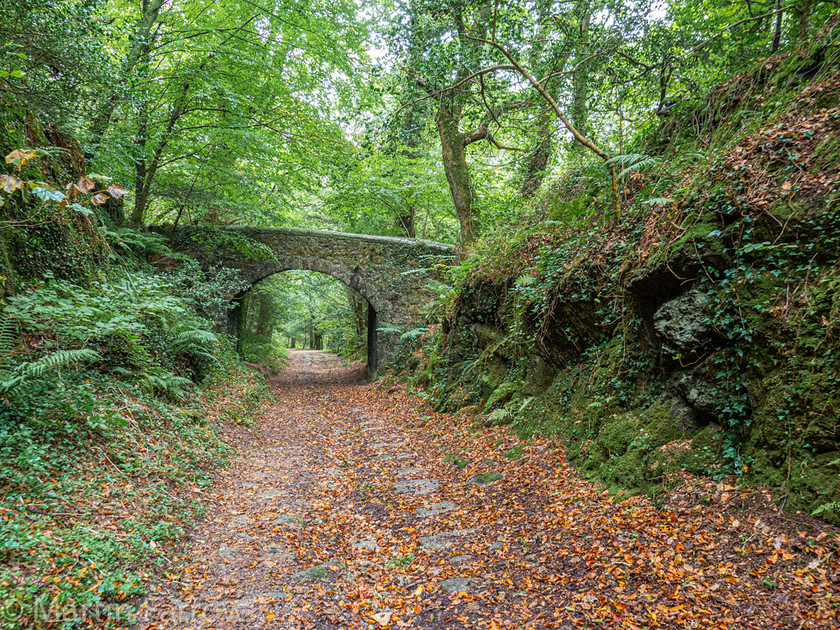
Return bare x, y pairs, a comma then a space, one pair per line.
197, 342
139, 242
834, 506
414, 333
633, 162
24, 374
167, 383
8, 337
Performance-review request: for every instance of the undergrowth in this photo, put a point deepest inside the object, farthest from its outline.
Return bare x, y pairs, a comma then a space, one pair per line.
114, 388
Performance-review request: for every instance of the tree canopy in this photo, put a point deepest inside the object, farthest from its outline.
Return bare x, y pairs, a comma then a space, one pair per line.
350, 117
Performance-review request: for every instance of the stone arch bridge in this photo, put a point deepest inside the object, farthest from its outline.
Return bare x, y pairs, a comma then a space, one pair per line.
390, 273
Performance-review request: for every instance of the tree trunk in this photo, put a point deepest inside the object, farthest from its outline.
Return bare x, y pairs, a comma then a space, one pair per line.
140, 193
538, 162
777, 32
457, 170
140, 47
804, 9
265, 316
580, 80
411, 127
405, 222
359, 306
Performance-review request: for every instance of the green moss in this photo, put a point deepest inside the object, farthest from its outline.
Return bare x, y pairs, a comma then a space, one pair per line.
826, 154
223, 246
514, 453
456, 460
486, 478
700, 238
501, 395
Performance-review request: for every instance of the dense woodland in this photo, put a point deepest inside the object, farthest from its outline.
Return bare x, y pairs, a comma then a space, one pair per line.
643, 195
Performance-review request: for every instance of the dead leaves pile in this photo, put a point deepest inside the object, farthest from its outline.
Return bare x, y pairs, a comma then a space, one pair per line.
354, 515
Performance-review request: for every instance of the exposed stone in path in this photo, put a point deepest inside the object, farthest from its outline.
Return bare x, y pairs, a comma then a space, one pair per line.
348, 514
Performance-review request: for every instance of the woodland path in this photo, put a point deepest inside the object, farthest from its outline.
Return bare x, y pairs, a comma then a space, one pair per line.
353, 506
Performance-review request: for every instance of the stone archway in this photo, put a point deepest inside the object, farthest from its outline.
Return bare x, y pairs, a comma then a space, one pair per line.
390, 273
377, 352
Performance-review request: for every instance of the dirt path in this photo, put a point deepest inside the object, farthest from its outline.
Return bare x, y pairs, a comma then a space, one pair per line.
351, 508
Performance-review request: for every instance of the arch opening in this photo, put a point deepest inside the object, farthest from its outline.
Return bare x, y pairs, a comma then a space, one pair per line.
293, 308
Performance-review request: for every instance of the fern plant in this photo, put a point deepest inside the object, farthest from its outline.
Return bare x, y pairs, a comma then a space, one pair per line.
161, 381
187, 338
632, 162
23, 377
8, 337
138, 242
834, 506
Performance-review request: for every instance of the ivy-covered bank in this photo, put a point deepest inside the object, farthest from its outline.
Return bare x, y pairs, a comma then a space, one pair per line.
699, 329
115, 392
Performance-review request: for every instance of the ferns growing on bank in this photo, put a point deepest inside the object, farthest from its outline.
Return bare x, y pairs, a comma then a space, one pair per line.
130, 328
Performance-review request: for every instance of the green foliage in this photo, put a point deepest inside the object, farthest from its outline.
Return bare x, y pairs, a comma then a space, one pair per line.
271, 352
834, 506
552, 325
223, 246
127, 323
633, 163
128, 425
23, 376
142, 244
305, 309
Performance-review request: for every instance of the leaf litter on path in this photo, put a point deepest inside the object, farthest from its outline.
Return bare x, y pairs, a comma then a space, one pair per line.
344, 512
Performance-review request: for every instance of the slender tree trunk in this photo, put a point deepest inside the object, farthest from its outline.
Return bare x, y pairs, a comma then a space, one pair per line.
265, 318
179, 106
136, 218
777, 32
140, 47
410, 141
804, 10
580, 80
538, 162
540, 87
405, 222
453, 149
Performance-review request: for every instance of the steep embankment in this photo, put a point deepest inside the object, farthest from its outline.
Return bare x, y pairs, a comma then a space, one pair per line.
114, 394
697, 331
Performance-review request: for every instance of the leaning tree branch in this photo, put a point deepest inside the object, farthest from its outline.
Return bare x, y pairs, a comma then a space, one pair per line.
539, 87
435, 93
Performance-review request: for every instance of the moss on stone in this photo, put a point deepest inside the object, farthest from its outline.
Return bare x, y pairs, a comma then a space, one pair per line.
501, 395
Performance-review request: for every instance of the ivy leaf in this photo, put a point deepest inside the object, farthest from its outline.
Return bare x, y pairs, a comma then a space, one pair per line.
47, 194
81, 209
